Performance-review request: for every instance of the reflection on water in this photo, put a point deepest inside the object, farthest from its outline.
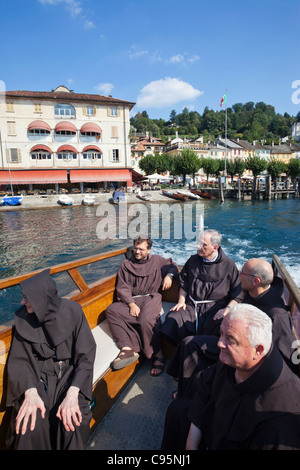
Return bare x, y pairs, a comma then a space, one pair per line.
36, 239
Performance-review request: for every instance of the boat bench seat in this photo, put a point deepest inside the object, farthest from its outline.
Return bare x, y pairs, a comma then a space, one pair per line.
107, 350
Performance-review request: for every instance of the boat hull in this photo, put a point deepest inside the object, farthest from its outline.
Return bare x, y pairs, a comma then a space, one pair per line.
11, 200
176, 196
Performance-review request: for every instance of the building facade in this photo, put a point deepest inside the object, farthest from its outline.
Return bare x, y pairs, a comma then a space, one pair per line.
63, 137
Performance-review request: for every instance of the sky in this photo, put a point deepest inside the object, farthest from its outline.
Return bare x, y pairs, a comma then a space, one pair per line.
163, 55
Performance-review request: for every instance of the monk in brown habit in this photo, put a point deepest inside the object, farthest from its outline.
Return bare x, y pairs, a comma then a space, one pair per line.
261, 289
248, 400
209, 283
50, 370
135, 319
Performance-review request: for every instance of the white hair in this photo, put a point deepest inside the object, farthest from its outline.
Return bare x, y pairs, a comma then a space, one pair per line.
215, 236
259, 324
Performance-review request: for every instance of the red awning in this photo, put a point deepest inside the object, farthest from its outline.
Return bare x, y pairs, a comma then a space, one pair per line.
90, 127
91, 147
41, 147
65, 126
39, 125
92, 176
66, 148
33, 176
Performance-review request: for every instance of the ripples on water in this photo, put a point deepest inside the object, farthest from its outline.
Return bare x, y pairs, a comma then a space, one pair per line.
36, 239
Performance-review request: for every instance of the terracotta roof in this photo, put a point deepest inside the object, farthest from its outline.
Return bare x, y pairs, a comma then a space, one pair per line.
66, 96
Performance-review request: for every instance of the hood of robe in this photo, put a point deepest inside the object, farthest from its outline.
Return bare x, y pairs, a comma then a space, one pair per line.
143, 267
53, 316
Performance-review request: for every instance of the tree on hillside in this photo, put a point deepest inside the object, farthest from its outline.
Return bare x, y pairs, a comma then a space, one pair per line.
186, 163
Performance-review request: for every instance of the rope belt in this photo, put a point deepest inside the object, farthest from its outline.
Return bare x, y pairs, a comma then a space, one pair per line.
196, 302
141, 295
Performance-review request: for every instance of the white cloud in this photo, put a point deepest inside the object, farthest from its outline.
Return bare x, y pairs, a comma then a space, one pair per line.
175, 59
135, 52
75, 9
105, 88
166, 92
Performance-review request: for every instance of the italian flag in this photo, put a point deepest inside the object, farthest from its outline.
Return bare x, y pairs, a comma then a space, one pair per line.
223, 99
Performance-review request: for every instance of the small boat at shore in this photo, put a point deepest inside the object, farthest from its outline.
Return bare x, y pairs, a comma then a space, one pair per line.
11, 200
174, 195
65, 200
189, 194
88, 200
202, 194
94, 297
144, 196
117, 197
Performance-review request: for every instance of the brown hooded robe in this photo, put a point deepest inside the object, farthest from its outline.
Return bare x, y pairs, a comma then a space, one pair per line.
142, 279
52, 349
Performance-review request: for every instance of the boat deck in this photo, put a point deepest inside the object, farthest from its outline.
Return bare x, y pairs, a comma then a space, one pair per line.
136, 420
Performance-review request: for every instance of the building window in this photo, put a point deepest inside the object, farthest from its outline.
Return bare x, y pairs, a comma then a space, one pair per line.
113, 112
64, 110
10, 107
92, 155
41, 132
14, 155
63, 132
67, 156
41, 156
115, 155
89, 110
37, 108
11, 127
114, 132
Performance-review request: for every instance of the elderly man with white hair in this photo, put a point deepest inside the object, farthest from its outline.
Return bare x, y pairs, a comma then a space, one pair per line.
248, 400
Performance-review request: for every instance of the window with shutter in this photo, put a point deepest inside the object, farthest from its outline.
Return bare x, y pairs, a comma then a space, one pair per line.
114, 131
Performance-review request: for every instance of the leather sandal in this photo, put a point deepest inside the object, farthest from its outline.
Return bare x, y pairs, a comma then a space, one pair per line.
160, 367
124, 358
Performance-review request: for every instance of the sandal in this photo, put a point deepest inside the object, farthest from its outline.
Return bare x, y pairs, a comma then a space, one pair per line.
124, 358
160, 367
175, 394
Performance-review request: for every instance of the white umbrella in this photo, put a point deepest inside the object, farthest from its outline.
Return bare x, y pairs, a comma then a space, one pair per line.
156, 176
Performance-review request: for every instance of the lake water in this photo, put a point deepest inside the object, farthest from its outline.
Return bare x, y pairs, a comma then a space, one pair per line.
35, 239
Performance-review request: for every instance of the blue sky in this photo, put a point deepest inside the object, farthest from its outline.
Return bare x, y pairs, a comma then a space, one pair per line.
160, 54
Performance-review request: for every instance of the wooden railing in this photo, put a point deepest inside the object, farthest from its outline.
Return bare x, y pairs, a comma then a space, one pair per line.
291, 293
70, 267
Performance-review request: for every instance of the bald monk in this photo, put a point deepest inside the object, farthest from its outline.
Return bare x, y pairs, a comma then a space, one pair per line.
261, 289
248, 400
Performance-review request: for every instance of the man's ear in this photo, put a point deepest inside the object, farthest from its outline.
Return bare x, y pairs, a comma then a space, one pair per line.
259, 350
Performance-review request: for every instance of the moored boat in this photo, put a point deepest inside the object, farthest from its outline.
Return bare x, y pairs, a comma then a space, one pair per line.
94, 299
189, 194
174, 195
144, 196
11, 200
65, 200
202, 194
88, 200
